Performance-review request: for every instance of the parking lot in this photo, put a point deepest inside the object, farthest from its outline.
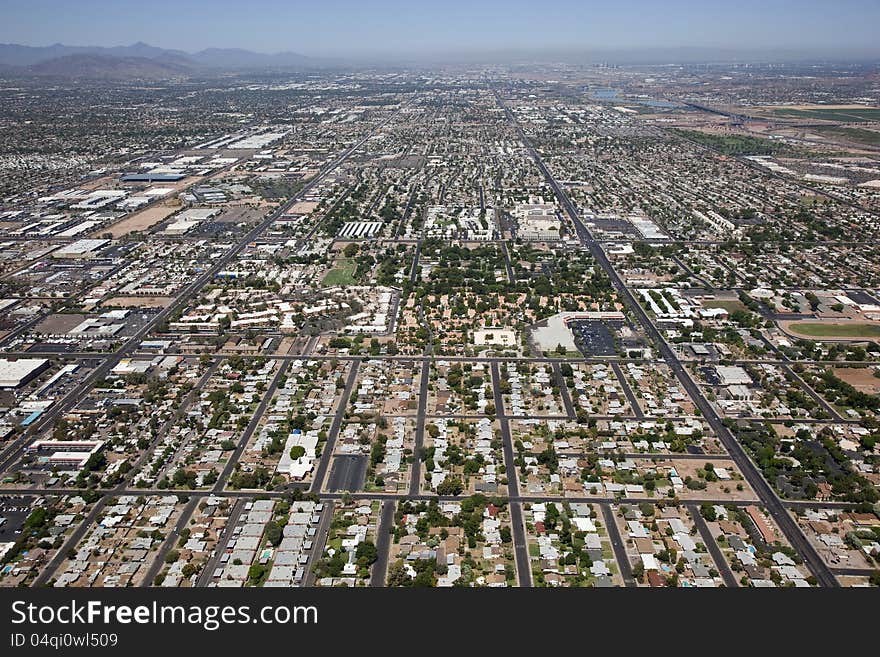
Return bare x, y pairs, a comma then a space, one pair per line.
13, 512
595, 338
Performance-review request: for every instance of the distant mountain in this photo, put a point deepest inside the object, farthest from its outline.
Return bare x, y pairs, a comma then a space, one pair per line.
236, 58
13, 56
106, 67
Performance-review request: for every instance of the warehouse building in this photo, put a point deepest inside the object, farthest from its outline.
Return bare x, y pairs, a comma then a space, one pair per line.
81, 249
16, 373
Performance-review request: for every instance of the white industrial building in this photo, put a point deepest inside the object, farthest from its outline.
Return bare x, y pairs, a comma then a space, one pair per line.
16, 373
189, 219
81, 249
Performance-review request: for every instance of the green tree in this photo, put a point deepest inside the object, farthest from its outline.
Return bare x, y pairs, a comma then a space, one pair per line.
450, 486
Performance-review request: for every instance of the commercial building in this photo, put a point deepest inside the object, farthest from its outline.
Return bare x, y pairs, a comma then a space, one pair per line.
81, 249
67, 453
16, 373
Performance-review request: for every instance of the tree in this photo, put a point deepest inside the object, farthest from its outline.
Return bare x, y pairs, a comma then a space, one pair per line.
274, 533
256, 573
638, 570
184, 478
450, 486
366, 553
397, 575
297, 451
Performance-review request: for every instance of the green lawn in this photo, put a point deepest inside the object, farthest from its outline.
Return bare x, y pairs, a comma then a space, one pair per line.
730, 305
837, 329
342, 274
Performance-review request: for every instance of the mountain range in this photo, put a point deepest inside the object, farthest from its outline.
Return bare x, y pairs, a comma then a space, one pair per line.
143, 61
140, 60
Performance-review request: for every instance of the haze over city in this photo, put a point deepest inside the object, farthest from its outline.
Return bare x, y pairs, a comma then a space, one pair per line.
297, 298
455, 29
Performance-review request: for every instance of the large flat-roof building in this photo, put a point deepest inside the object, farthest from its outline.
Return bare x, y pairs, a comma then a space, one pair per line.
66, 453
81, 249
152, 177
16, 373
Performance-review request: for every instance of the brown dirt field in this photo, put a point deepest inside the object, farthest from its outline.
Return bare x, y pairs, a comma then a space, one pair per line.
140, 220
303, 207
99, 183
860, 378
285, 345
686, 467
137, 302
783, 431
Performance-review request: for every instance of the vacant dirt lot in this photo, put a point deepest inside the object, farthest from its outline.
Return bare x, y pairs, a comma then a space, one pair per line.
303, 207
860, 378
137, 302
140, 220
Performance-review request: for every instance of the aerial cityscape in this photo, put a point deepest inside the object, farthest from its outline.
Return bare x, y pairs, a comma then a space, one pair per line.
282, 320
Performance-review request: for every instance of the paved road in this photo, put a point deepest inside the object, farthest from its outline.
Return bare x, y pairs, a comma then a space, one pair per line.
712, 545
406, 211
74, 539
628, 391
168, 543
98, 356
80, 531
207, 573
374, 495
655, 456
517, 522
563, 391
329, 446
416, 473
181, 410
383, 544
690, 272
618, 546
511, 277
89, 520
414, 269
318, 544
857, 572
251, 427
754, 477
819, 399
78, 393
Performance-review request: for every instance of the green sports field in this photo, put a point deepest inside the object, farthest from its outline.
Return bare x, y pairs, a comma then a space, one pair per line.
836, 329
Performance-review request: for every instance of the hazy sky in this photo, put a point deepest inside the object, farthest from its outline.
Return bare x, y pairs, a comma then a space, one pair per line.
344, 27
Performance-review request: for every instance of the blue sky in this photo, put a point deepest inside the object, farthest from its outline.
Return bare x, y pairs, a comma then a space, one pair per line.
344, 27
